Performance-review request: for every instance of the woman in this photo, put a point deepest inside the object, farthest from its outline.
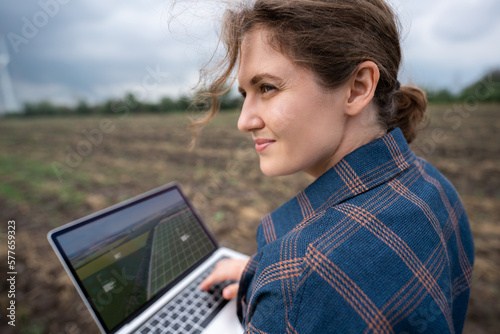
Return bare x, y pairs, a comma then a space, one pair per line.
379, 242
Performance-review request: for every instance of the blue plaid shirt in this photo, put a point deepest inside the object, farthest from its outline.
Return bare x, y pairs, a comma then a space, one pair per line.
378, 244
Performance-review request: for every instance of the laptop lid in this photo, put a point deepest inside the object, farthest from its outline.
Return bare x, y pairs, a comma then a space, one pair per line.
124, 258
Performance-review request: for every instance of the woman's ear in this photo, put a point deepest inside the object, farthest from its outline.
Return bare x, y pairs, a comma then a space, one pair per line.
362, 86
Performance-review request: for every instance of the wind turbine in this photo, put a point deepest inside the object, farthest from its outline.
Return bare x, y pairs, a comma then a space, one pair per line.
9, 100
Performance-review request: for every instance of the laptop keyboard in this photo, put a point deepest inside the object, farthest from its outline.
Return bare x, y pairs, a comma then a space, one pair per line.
190, 311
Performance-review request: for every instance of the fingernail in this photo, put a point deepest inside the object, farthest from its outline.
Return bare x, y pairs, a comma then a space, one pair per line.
226, 293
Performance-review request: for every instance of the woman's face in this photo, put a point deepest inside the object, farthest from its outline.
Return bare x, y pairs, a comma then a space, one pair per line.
296, 124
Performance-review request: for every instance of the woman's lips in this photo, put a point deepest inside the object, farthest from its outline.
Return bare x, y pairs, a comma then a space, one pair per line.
262, 144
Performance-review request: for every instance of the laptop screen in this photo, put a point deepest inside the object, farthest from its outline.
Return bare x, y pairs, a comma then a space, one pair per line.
126, 257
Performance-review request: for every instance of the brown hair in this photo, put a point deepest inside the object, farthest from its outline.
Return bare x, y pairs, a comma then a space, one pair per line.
330, 38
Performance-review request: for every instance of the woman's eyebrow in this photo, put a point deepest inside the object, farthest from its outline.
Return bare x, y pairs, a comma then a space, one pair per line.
260, 77
256, 79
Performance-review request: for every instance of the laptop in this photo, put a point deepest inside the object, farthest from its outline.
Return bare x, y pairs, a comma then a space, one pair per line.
137, 266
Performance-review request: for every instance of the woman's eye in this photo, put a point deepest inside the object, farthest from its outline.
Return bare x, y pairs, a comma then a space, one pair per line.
266, 88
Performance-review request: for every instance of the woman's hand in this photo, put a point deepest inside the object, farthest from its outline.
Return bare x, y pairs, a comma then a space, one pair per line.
227, 269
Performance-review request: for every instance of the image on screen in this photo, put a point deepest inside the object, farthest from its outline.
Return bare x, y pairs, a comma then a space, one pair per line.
123, 259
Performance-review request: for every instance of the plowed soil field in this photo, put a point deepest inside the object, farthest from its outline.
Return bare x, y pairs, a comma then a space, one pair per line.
55, 170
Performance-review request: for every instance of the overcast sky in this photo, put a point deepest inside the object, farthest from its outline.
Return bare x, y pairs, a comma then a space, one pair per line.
68, 50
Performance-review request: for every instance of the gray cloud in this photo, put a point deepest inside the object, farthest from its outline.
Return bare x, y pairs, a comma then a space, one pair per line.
92, 49
101, 49
450, 43
467, 21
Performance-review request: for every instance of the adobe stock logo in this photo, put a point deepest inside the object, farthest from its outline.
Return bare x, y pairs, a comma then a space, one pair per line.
31, 26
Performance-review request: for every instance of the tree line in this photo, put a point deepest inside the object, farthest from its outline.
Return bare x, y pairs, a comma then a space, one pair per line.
487, 89
129, 104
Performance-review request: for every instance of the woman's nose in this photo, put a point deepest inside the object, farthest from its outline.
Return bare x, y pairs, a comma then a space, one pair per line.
249, 117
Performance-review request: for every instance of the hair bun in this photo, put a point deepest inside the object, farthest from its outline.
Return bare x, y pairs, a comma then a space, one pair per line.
411, 104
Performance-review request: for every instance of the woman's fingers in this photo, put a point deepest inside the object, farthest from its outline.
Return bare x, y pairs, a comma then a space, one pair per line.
230, 291
227, 269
